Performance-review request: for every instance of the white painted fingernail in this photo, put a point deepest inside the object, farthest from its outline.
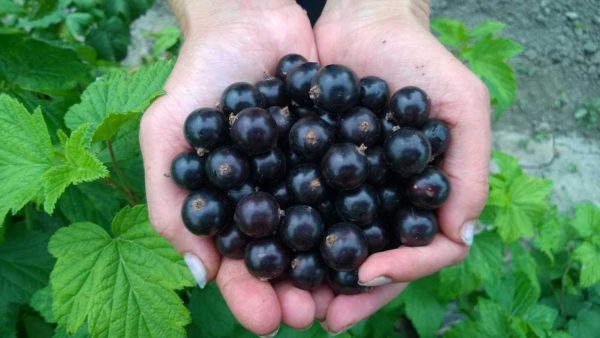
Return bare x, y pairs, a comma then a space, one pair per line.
467, 231
377, 281
197, 268
271, 335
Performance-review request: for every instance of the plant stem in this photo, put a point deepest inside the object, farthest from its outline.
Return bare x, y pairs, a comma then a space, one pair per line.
111, 183
128, 191
561, 301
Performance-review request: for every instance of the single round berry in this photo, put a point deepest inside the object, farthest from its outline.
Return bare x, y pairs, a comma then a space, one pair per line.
345, 282
302, 227
298, 82
335, 88
414, 227
438, 135
390, 199
344, 247
266, 258
359, 126
306, 184
231, 242
374, 93
286, 63
388, 126
187, 170
359, 206
377, 236
268, 167
274, 92
307, 270
284, 119
254, 131
281, 194
344, 166
428, 189
226, 167
310, 137
235, 194
407, 151
238, 96
206, 129
257, 215
205, 212
378, 171
410, 106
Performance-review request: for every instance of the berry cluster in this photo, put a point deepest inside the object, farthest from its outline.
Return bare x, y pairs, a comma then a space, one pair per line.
305, 174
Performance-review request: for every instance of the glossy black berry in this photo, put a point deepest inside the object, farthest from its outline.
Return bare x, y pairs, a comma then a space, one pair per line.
274, 92
206, 129
390, 199
410, 107
266, 258
286, 63
254, 131
407, 151
187, 170
388, 125
307, 270
374, 93
377, 236
257, 215
359, 206
284, 119
413, 226
345, 282
226, 167
344, 247
310, 137
306, 184
302, 227
335, 88
298, 82
344, 166
235, 194
231, 242
280, 192
378, 170
238, 96
428, 189
359, 126
438, 135
268, 167
205, 212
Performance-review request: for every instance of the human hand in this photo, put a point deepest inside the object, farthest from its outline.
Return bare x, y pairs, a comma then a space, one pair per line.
391, 39
225, 42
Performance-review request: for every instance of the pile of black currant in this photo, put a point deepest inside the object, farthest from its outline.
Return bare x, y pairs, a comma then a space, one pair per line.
305, 174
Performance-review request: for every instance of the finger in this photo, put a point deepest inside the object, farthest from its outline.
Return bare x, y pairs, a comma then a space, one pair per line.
346, 310
323, 295
297, 306
252, 302
409, 263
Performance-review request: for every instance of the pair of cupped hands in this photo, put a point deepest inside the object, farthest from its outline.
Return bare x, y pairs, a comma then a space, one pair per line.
240, 40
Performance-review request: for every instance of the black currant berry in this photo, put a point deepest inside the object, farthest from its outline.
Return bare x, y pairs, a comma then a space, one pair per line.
235, 194
344, 166
407, 151
359, 126
205, 212
307, 270
344, 247
390, 199
410, 106
257, 215
284, 119
206, 129
238, 96
286, 63
302, 227
374, 93
377, 236
268, 167
226, 167
187, 170
359, 206
388, 126
438, 135
274, 92
231, 242
335, 88
298, 82
281, 194
345, 282
413, 226
254, 131
266, 258
310, 137
306, 184
428, 189
378, 171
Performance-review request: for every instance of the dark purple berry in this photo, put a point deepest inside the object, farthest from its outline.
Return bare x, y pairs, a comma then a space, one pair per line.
374, 93
254, 131
274, 92
298, 82
206, 129
268, 167
302, 228
205, 212
410, 106
226, 167
306, 184
359, 126
413, 226
428, 189
281, 194
187, 170
390, 199
286, 63
344, 166
235, 194
238, 96
335, 88
266, 258
231, 242
307, 270
407, 151
377, 236
438, 135
284, 120
344, 247
378, 170
257, 215
310, 137
345, 282
359, 206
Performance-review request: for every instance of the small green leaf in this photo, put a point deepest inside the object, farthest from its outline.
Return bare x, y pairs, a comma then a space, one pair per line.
41, 301
127, 9
553, 234
450, 32
488, 27
165, 39
494, 321
589, 257
423, 309
514, 292
110, 39
586, 324
540, 317
587, 220
9, 316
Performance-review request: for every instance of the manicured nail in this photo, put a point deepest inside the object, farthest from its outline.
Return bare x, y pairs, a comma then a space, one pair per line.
197, 268
306, 328
346, 328
271, 335
467, 232
377, 281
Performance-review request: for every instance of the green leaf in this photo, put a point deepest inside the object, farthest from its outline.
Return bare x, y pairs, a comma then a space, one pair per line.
589, 257
165, 39
315, 331
122, 285
586, 324
113, 100
92, 202
450, 32
540, 317
9, 316
488, 27
587, 220
381, 324
553, 234
423, 308
9, 7
41, 301
508, 165
524, 263
60, 71
110, 39
515, 292
494, 321
127, 9
59, 332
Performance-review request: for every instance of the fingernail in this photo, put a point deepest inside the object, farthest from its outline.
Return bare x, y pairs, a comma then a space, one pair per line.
197, 268
306, 328
467, 232
346, 328
377, 281
270, 335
